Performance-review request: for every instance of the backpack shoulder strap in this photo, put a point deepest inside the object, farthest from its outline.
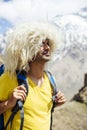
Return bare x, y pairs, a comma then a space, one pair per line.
2, 68
1, 115
22, 80
53, 82
21, 77
55, 90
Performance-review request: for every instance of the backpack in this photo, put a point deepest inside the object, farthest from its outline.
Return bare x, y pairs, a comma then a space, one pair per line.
21, 77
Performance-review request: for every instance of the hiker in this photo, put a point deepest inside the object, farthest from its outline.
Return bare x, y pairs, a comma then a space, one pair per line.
29, 47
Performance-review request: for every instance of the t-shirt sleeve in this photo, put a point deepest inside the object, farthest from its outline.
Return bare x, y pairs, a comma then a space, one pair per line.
7, 85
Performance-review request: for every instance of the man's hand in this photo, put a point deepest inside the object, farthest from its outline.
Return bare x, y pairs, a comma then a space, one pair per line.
19, 93
59, 99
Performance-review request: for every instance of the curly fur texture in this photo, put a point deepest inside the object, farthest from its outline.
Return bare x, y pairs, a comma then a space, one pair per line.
24, 42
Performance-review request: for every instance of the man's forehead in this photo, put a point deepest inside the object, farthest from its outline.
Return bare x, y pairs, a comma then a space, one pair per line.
46, 40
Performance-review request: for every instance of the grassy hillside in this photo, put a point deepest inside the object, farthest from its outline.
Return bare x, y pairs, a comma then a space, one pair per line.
71, 116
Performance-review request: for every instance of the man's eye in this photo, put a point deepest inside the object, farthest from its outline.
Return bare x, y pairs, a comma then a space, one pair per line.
46, 43
43, 43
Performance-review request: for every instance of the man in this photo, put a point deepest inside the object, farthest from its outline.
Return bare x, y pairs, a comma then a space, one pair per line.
29, 48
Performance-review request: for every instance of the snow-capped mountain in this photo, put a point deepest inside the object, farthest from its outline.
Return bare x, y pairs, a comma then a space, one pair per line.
74, 29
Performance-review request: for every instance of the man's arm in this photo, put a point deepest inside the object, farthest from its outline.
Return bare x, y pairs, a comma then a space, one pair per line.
19, 93
4, 105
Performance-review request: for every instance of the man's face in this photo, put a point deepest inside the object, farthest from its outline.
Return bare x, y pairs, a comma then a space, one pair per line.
44, 53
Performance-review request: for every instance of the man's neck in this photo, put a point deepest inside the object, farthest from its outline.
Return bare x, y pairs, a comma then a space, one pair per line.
36, 70
36, 73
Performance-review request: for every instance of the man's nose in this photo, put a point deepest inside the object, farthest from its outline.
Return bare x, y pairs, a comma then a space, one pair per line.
46, 46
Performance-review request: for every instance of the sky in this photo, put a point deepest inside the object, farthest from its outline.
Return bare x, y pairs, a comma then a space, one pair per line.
38, 10
16, 11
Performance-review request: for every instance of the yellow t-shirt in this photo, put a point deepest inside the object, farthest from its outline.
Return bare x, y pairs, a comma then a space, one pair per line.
37, 107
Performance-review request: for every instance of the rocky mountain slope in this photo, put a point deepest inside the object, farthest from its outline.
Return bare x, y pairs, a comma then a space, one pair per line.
72, 115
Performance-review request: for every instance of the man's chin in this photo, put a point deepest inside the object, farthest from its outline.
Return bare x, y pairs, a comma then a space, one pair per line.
46, 59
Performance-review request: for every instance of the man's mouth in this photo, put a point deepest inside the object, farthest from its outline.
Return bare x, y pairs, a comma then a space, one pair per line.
46, 53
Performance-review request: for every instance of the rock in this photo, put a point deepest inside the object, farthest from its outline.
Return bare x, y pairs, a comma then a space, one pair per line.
81, 96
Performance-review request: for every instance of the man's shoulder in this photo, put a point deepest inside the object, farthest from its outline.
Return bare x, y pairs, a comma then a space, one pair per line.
6, 75
6, 78
7, 84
